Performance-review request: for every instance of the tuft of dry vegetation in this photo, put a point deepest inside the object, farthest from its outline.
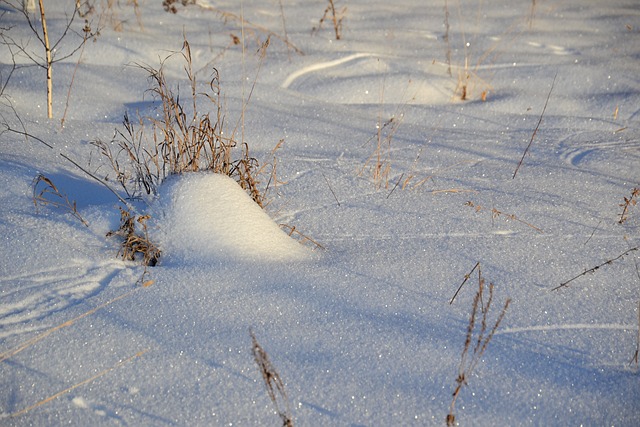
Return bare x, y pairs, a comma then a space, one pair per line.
45, 193
335, 16
135, 242
478, 336
272, 381
181, 139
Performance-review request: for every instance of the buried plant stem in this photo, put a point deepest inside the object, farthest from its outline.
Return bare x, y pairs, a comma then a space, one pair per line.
32, 341
81, 383
593, 269
634, 358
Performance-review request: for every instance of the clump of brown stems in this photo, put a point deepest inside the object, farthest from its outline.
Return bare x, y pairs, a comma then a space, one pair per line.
135, 239
46, 193
336, 17
477, 338
495, 213
379, 162
272, 381
182, 139
50, 49
170, 5
628, 203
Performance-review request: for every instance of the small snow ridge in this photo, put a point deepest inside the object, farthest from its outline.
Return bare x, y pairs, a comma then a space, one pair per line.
205, 216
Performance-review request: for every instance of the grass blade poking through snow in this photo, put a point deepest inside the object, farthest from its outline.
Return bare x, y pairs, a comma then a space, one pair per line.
535, 131
272, 381
477, 338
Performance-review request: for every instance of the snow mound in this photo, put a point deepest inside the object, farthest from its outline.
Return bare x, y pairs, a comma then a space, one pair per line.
205, 216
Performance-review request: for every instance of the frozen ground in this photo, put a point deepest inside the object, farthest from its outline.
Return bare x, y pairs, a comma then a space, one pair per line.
361, 332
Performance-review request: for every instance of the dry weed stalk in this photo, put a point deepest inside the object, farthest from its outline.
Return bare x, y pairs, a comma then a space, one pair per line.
594, 269
495, 213
46, 193
379, 162
272, 381
629, 202
336, 19
535, 131
135, 239
474, 347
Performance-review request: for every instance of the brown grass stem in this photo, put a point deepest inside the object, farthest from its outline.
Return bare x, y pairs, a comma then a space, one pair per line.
594, 269
535, 131
272, 381
32, 341
81, 383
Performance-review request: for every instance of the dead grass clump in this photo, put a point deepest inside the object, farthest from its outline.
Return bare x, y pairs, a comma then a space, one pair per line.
181, 139
336, 17
135, 243
272, 381
45, 193
170, 5
478, 336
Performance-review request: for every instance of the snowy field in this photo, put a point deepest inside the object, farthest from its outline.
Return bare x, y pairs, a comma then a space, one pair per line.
364, 330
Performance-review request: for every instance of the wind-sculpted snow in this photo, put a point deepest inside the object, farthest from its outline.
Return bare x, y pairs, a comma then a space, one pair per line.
205, 217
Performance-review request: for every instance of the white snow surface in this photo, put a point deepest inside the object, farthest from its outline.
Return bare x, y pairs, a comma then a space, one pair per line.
363, 330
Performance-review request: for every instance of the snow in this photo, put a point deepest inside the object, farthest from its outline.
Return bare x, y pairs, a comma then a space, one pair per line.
361, 331
206, 216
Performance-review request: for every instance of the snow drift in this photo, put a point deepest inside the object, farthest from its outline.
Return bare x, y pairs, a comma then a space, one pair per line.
206, 216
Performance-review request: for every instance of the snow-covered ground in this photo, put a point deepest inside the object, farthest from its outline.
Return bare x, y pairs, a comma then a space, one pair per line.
361, 332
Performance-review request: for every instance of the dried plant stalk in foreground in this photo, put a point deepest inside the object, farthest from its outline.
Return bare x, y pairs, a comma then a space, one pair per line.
476, 340
272, 381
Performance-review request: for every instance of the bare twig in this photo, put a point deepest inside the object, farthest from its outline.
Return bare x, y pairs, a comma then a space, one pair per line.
593, 269
330, 189
466, 277
533, 135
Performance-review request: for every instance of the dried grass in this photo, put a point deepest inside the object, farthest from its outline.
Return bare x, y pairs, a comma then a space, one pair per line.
135, 244
272, 381
477, 338
181, 139
335, 16
45, 193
